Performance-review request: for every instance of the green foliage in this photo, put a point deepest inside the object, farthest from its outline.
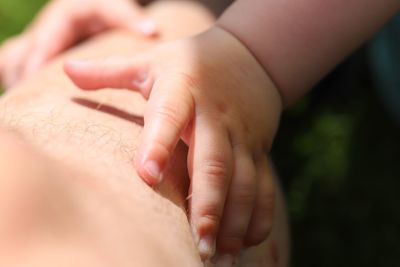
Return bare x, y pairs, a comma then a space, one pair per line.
337, 154
338, 157
15, 14
324, 153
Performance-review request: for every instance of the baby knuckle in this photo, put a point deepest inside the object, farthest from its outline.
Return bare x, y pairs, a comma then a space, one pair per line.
235, 235
245, 196
245, 188
212, 217
188, 80
216, 169
168, 113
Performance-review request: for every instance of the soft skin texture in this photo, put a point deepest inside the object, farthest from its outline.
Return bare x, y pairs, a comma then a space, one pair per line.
232, 170
210, 92
298, 42
62, 24
78, 193
214, 92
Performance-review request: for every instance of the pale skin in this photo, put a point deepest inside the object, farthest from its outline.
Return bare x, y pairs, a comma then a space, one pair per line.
231, 201
298, 42
63, 23
260, 63
78, 200
233, 171
229, 129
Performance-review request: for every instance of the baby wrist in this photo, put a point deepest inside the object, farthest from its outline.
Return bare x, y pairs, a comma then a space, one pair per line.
246, 55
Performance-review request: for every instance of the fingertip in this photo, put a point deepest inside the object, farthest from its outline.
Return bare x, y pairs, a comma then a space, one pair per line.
153, 172
206, 243
147, 27
76, 70
205, 230
68, 67
76, 64
207, 247
149, 170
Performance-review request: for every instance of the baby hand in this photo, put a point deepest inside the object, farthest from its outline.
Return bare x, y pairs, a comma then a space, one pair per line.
63, 23
209, 91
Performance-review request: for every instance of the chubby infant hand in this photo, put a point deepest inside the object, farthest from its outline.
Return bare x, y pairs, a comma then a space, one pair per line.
209, 91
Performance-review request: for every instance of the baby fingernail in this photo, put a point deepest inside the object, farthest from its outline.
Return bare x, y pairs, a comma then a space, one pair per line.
207, 247
147, 26
141, 78
154, 170
225, 261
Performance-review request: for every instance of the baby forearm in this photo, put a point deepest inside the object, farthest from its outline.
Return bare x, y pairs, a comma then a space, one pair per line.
298, 42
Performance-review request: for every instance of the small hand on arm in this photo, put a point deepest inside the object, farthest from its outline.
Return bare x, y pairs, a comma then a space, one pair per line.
95, 135
210, 91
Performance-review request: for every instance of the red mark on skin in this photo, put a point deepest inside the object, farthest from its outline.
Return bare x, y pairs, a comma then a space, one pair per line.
273, 253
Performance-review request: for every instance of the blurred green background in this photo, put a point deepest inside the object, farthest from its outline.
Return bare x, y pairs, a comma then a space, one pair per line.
338, 156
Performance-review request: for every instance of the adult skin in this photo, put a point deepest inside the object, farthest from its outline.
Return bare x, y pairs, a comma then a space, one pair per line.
78, 201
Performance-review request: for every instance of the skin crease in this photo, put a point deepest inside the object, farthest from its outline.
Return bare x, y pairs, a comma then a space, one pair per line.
260, 55
210, 92
92, 138
228, 186
231, 199
235, 170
